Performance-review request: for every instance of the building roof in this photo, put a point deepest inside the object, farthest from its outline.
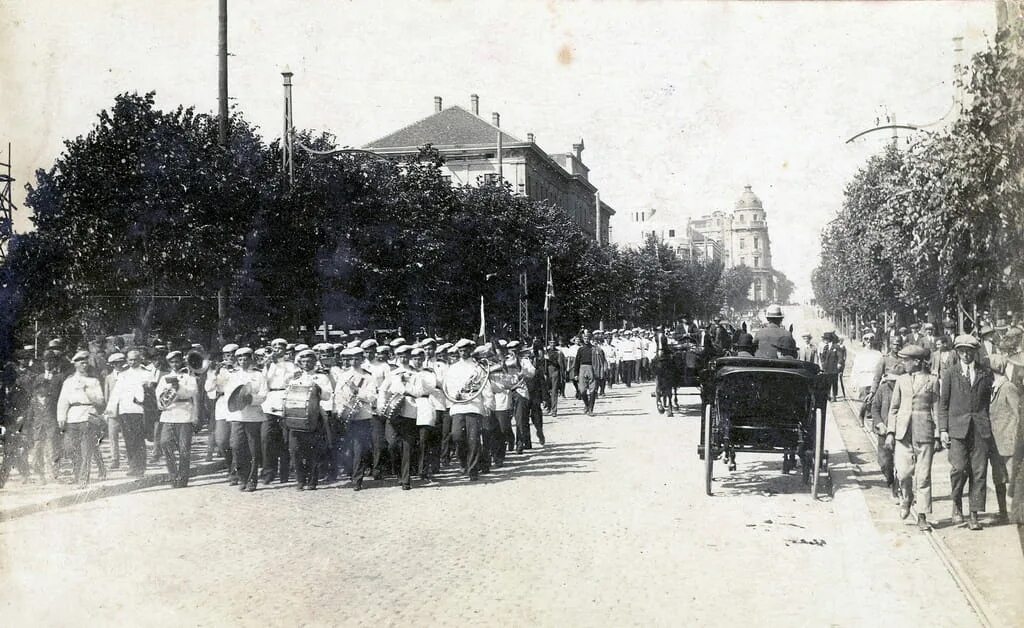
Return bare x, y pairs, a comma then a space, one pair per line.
748, 200
453, 126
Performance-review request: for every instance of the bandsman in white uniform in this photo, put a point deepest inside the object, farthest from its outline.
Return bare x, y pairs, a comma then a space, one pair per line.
180, 418
81, 397
246, 417
355, 397
278, 371
306, 442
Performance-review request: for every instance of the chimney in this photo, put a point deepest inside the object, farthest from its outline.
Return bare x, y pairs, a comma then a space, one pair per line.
530, 139
437, 104
577, 149
496, 119
475, 101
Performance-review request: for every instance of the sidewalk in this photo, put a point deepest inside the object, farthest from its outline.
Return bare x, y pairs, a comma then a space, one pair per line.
18, 498
990, 561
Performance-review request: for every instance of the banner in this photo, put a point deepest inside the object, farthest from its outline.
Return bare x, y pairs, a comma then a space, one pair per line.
549, 291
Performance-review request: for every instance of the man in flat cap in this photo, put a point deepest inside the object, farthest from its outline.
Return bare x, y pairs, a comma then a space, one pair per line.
964, 427
910, 432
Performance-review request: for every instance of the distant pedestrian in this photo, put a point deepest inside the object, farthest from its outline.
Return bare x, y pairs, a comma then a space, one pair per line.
808, 351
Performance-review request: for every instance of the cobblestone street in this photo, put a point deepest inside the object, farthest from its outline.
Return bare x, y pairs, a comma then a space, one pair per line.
606, 525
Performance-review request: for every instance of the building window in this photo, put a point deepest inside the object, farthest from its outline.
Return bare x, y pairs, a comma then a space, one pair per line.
743, 243
757, 242
743, 261
743, 218
757, 289
671, 233
757, 262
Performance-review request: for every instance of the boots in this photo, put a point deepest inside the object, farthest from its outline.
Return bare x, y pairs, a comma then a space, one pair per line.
922, 522
958, 514
1003, 517
972, 521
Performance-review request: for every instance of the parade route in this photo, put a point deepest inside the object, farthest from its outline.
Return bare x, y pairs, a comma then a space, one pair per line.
606, 525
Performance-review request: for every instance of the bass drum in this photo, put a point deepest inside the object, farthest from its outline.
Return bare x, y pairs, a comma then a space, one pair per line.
302, 407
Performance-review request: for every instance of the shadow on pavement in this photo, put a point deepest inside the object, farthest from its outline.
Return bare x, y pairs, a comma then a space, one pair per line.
759, 477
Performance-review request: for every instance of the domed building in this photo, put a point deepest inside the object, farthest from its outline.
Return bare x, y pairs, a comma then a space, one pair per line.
743, 234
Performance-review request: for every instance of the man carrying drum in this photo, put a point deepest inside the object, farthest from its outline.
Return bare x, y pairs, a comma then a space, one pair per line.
306, 436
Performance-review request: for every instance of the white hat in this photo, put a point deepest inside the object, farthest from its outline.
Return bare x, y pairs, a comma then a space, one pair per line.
351, 352
279, 341
397, 342
173, 354
115, 357
81, 355
452, 349
464, 342
300, 347
368, 344
402, 350
229, 349
243, 351
417, 352
303, 353
426, 341
441, 348
512, 346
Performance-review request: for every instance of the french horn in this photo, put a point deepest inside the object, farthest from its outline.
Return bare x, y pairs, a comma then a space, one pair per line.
471, 388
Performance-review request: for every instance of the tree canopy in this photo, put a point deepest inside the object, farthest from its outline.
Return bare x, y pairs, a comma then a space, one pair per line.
144, 220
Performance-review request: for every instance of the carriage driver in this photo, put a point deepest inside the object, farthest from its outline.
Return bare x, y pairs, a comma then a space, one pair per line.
767, 338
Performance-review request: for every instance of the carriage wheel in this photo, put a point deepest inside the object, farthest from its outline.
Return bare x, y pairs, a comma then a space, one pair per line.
709, 456
819, 426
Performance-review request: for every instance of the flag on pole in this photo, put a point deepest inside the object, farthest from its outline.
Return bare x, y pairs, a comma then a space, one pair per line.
482, 336
549, 291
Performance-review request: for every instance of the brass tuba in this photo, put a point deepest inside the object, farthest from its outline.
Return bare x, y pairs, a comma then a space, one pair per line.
471, 388
167, 391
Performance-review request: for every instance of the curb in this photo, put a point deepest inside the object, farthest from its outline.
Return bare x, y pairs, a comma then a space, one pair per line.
110, 490
986, 616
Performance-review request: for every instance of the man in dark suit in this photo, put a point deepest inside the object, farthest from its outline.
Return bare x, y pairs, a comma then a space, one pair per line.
964, 427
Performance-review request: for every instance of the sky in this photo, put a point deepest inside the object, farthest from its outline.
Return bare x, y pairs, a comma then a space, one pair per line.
679, 104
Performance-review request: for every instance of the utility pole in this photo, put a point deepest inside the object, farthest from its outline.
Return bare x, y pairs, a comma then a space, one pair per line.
222, 134
222, 127
286, 138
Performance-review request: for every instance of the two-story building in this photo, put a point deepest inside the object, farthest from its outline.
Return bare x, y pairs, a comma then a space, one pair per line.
475, 150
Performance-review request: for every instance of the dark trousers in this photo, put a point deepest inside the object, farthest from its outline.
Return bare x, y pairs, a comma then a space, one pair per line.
132, 426
528, 411
46, 445
500, 444
276, 458
360, 438
885, 460
304, 448
445, 421
379, 443
177, 436
833, 384
430, 438
554, 385
466, 432
627, 368
405, 436
968, 462
245, 445
333, 448
600, 385
490, 437
79, 443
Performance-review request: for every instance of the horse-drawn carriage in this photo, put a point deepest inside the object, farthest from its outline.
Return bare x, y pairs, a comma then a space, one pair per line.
678, 365
762, 405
